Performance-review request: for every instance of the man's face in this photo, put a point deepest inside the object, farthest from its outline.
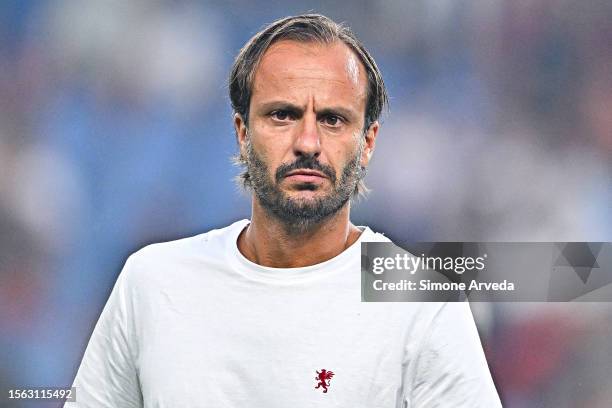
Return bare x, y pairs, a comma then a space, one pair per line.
305, 147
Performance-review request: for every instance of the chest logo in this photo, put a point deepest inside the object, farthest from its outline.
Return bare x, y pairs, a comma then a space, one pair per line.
324, 378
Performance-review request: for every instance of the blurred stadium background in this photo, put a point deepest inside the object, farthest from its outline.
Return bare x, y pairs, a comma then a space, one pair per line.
115, 131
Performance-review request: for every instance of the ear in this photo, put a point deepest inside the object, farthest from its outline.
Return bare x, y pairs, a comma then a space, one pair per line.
241, 130
370, 143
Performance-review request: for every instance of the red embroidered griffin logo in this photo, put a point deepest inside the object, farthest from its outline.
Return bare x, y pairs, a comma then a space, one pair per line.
323, 376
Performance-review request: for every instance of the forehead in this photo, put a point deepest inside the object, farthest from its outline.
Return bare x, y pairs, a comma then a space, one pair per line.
288, 67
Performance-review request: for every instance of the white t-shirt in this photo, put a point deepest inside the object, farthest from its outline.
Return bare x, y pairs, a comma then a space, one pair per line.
193, 323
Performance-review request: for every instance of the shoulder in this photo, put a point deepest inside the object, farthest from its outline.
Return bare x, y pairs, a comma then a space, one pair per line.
169, 258
191, 245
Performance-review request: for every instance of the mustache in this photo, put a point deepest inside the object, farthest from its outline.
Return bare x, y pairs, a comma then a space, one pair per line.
305, 162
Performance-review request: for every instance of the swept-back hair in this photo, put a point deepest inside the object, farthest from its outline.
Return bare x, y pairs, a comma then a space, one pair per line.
303, 28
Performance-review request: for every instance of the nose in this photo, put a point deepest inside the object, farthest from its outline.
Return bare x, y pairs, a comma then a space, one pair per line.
307, 140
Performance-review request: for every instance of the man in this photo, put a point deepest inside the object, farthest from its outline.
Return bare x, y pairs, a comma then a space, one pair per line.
267, 312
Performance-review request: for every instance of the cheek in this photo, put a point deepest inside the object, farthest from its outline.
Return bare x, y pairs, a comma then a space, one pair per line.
276, 148
268, 155
345, 154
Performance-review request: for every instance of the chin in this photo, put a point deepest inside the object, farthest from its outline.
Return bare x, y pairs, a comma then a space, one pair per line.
306, 195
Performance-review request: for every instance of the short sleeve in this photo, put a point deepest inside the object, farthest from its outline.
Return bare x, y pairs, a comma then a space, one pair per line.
450, 369
107, 376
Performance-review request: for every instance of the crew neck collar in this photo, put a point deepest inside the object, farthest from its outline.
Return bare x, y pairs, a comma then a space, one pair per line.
252, 270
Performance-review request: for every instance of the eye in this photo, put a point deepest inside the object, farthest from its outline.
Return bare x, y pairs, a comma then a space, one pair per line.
281, 115
332, 120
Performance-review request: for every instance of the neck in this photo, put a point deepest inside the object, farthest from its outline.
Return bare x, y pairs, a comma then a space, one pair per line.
267, 241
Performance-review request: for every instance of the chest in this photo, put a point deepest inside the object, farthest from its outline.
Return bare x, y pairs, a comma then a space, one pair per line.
270, 349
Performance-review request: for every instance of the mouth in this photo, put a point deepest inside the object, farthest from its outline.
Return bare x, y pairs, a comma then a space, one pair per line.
305, 176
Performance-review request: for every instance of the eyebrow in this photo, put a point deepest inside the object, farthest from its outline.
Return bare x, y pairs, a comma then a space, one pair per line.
348, 114
279, 105
338, 110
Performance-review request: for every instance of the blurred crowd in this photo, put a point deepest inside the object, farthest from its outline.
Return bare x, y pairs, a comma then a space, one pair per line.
115, 131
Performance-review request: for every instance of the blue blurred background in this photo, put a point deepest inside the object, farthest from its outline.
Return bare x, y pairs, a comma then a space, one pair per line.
115, 132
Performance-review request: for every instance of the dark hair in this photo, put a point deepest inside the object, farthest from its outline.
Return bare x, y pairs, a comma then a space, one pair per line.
303, 28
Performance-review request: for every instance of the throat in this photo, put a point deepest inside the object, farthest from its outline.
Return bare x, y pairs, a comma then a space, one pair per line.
277, 247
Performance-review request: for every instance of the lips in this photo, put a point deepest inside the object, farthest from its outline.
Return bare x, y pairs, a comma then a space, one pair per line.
306, 172
305, 176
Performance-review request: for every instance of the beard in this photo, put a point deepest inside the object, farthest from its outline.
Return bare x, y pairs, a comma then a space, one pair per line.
302, 214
